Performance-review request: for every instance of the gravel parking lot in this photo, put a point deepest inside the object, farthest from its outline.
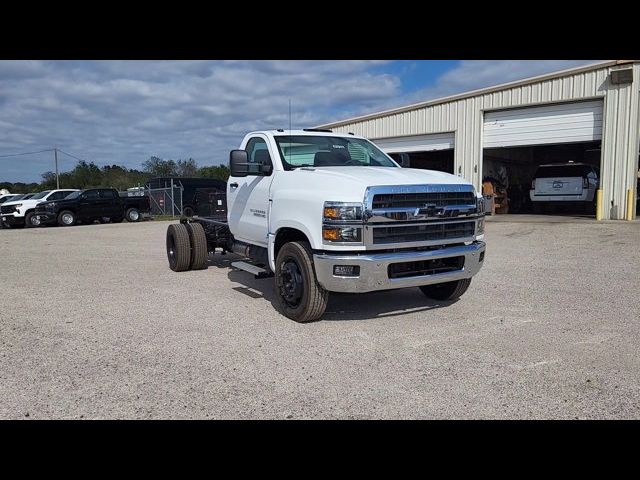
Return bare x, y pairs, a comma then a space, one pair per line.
93, 324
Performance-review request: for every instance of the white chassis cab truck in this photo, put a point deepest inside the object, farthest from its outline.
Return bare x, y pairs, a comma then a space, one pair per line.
329, 212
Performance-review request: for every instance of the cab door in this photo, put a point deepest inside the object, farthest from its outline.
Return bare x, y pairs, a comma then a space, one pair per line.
248, 197
88, 204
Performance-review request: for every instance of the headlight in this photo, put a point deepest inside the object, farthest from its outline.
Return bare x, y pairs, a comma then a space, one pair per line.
50, 206
342, 234
481, 204
340, 211
17, 206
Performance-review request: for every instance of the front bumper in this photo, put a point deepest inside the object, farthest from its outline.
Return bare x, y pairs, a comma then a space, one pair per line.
374, 268
11, 220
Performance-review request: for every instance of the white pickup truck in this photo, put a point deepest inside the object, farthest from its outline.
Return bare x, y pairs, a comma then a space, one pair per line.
21, 212
326, 212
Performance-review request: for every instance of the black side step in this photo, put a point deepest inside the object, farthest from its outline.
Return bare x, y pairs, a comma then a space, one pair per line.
258, 272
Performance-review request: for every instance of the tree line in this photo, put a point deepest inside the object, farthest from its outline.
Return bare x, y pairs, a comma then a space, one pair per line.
89, 175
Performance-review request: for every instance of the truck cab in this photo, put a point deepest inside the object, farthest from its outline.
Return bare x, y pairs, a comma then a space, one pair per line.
330, 212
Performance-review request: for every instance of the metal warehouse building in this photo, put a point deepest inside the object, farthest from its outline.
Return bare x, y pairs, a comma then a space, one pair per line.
587, 114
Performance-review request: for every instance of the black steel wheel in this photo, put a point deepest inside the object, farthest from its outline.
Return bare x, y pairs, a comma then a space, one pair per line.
301, 297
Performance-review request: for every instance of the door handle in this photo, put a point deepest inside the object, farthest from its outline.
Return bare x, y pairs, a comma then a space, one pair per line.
233, 185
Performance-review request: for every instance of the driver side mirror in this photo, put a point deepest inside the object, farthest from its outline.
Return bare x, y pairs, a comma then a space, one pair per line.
238, 163
404, 160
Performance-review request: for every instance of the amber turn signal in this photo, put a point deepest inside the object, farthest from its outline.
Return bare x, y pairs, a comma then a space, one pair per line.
331, 212
332, 234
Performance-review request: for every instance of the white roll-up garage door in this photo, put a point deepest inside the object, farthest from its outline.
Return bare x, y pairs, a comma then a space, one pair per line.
417, 143
560, 123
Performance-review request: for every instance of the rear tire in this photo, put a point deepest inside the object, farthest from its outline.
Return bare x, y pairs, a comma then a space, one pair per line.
199, 249
178, 248
301, 297
132, 215
446, 291
66, 218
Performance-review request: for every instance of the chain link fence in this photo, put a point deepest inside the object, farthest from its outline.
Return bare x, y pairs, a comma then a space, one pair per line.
166, 200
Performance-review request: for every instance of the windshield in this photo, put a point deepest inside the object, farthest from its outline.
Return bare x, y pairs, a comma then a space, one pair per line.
73, 195
27, 196
325, 151
40, 195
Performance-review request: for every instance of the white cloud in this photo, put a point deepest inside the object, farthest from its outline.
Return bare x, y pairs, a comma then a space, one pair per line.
125, 111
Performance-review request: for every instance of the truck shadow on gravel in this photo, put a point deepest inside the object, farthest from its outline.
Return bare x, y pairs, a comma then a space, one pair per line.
342, 306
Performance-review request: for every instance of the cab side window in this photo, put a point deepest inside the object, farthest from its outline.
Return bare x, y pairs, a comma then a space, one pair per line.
59, 195
257, 154
91, 195
107, 194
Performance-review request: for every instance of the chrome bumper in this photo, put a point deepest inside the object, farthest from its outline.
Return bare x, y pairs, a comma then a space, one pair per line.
374, 268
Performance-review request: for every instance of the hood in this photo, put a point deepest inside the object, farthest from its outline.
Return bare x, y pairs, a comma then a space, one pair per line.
370, 176
27, 202
349, 183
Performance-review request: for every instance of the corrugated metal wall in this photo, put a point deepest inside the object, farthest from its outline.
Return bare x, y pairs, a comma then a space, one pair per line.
620, 141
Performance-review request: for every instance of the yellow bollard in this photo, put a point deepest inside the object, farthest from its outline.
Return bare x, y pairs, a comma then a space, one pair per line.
599, 205
630, 204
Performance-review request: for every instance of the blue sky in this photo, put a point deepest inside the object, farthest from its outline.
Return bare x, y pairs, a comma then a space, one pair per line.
123, 112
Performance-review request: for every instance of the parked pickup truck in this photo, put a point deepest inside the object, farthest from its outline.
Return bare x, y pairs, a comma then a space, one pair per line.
326, 212
103, 204
21, 212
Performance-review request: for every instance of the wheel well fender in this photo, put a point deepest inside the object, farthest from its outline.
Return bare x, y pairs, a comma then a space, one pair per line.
286, 235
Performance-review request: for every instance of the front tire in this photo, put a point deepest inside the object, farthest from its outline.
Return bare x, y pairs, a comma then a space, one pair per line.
66, 218
301, 297
446, 291
30, 220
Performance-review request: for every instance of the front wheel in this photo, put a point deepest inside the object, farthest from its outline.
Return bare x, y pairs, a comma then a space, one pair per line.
31, 220
446, 291
301, 297
66, 218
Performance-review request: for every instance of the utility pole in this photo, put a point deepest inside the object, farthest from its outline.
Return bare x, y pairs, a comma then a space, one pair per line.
55, 154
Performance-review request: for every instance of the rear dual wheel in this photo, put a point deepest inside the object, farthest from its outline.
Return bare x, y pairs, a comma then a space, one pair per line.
187, 247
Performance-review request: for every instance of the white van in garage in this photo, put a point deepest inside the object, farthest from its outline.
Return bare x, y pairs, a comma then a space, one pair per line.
564, 184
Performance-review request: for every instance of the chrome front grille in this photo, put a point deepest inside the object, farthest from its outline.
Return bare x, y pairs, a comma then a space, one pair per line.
419, 215
422, 199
